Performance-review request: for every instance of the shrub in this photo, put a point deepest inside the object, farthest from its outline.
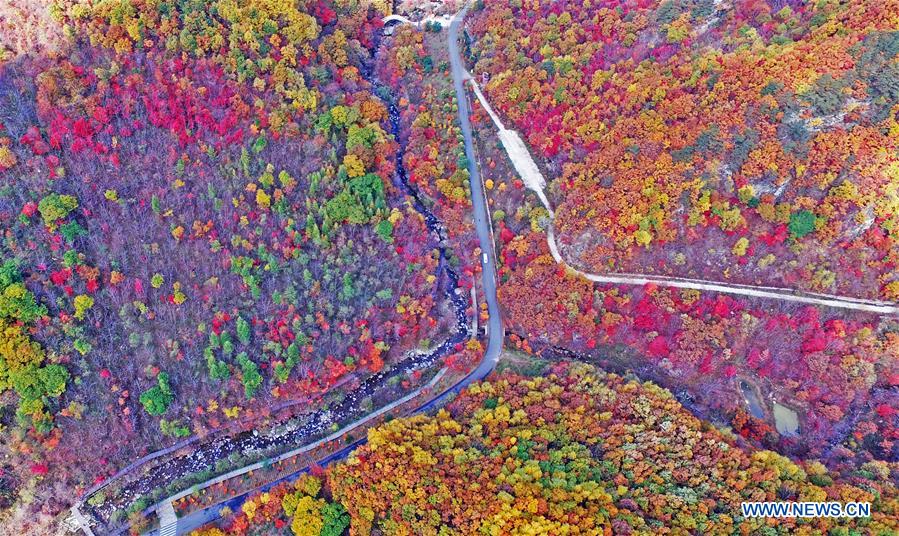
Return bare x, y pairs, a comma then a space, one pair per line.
156, 400
801, 223
54, 207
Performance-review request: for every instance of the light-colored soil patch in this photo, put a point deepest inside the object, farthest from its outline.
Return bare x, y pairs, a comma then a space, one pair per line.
786, 420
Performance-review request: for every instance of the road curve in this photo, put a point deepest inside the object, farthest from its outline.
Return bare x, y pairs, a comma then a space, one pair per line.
774, 293
495, 331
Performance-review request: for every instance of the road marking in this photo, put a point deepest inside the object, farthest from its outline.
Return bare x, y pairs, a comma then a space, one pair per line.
168, 520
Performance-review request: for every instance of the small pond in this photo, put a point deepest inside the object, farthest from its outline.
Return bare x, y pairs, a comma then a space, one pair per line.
752, 400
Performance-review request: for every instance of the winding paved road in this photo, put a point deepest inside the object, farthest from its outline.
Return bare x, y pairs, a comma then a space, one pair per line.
495, 331
753, 291
479, 202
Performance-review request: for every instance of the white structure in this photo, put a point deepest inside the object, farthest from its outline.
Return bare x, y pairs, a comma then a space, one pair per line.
444, 21
396, 18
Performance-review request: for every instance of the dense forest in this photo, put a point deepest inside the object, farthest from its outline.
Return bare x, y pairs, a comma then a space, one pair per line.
234, 223
749, 140
836, 369
574, 451
200, 226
